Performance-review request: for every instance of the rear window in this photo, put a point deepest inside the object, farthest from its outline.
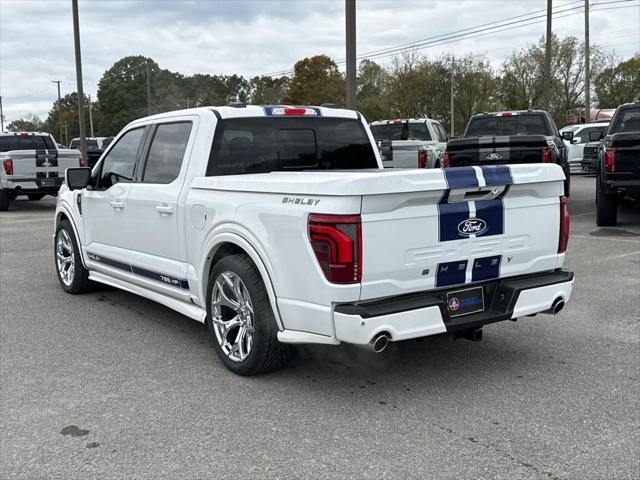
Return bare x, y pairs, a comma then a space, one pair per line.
627, 120
401, 131
509, 125
262, 145
28, 142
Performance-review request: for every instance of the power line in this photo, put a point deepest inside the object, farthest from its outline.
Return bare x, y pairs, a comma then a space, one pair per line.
478, 31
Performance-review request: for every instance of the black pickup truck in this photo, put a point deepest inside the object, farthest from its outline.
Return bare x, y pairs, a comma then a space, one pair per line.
618, 165
524, 136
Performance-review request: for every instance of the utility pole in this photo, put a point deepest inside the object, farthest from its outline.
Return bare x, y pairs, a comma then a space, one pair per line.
350, 14
188, 102
76, 41
547, 60
148, 90
59, 109
90, 117
1, 117
453, 66
587, 66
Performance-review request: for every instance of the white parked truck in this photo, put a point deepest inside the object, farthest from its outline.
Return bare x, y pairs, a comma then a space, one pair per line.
278, 225
32, 165
410, 142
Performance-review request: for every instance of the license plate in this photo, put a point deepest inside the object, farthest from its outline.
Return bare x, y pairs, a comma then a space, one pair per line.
464, 302
48, 182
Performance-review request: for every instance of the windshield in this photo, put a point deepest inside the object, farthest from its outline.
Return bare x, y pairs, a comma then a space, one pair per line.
507, 125
267, 144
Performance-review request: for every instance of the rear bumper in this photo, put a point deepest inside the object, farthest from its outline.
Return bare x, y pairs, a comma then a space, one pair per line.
23, 185
425, 313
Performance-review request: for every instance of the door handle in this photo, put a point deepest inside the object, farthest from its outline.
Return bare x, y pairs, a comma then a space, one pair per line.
164, 209
117, 204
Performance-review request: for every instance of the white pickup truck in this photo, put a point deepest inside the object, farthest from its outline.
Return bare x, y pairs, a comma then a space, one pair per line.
32, 165
278, 225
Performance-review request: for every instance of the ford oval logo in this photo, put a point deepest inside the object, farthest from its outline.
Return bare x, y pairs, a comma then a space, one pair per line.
472, 226
494, 156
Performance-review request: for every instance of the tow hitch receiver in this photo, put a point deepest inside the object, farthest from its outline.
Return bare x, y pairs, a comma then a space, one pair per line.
473, 335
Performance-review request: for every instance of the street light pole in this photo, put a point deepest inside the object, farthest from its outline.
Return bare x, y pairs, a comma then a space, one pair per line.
350, 14
1, 117
59, 109
76, 41
453, 66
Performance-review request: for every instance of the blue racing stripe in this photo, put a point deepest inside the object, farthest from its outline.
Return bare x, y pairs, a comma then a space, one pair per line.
449, 217
486, 268
492, 212
460, 177
497, 175
451, 273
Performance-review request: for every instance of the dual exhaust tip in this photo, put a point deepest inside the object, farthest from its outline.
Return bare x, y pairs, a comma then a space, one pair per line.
381, 341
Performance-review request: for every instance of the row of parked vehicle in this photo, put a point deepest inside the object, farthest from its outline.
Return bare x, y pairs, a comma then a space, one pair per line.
611, 149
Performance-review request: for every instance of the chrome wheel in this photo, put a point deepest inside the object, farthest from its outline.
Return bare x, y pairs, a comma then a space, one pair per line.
64, 257
232, 316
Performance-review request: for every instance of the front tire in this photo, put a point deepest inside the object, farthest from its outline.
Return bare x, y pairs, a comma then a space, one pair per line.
72, 275
606, 207
240, 319
5, 200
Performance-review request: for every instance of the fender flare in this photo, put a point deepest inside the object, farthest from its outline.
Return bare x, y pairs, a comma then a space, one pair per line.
211, 245
62, 209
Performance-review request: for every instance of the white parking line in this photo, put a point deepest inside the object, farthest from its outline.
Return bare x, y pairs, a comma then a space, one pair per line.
606, 238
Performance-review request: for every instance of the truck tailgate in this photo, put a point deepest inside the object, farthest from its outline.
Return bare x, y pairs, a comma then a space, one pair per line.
474, 224
41, 164
496, 150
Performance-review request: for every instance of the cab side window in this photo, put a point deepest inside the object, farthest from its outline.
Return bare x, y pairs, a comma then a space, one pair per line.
167, 152
119, 165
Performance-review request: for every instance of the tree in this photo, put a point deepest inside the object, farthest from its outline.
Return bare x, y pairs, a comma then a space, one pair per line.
122, 93
70, 123
30, 123
267, 90
316, 80
371, 84
619, 84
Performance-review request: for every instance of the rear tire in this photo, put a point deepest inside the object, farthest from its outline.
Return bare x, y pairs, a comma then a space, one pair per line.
72, 275
606, 207
240, 319
36, 196
5, 200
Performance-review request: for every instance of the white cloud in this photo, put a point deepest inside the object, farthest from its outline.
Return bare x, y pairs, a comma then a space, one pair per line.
254, 37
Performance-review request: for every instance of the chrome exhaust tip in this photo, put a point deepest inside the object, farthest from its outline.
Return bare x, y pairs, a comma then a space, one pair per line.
379, 342
556, 306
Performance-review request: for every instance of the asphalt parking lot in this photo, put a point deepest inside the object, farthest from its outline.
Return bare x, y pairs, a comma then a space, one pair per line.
109, 385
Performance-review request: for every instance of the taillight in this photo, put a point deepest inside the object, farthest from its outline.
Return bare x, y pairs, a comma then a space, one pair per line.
83, 163
422, 159
564, 225
446, 159
546, 154
610, 159
7, 164
336, 241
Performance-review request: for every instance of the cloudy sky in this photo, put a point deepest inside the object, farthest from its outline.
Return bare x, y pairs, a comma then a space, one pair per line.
261, 36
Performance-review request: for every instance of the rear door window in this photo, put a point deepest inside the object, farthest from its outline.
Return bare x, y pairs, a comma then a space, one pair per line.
267, 144
167, 152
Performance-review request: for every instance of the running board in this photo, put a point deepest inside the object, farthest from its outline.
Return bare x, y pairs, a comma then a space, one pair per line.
189, 310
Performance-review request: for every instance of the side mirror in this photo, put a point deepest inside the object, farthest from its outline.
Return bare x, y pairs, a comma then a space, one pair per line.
77, 178
576, 140
386, 150
595, 136
567, 136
